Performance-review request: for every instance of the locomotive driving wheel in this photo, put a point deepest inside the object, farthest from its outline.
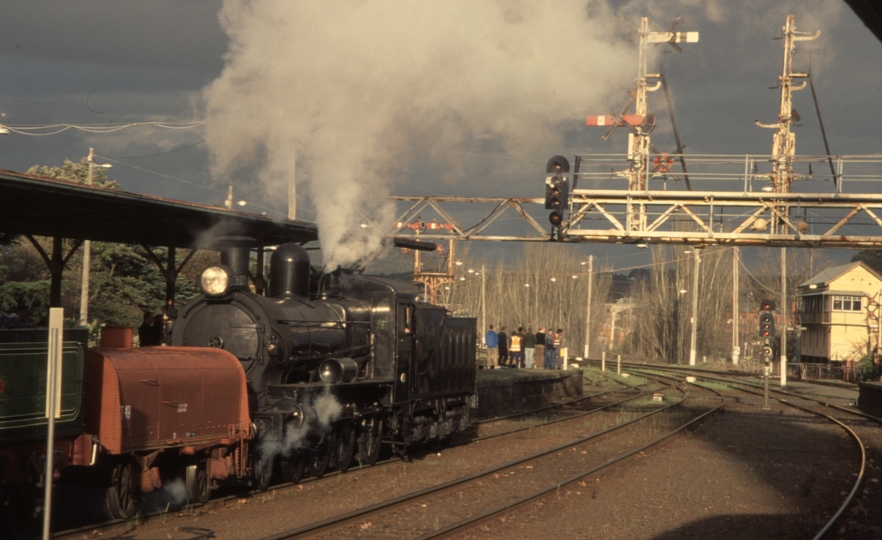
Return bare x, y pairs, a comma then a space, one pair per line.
198, 481
345, 445
121, 495
321, 457
293, 467
370, 440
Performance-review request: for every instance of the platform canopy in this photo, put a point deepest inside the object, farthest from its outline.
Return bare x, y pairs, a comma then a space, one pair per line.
41, 206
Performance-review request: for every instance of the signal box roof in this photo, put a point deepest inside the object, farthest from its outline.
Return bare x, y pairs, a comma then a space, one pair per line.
47, 207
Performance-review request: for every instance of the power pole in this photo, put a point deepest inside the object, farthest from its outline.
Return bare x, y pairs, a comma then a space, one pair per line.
483, 305
694, 339
736, 315
87, 255
785, 312
588, 307
292, 187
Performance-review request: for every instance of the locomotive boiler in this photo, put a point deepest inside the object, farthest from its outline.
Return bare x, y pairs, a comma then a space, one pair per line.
336, 364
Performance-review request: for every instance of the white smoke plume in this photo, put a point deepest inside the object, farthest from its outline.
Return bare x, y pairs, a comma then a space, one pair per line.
327, 410
355, 91
351, 88
177, 490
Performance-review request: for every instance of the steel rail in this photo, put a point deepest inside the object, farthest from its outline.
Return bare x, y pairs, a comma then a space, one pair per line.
351, 518
489, 515
558, 405
861, 473
72, 533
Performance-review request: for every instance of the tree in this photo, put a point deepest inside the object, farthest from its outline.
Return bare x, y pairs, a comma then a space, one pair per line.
124, 281
75, 172
870, 257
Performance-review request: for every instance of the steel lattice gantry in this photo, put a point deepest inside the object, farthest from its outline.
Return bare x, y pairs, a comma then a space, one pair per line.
727, 218
736, 206
685, 217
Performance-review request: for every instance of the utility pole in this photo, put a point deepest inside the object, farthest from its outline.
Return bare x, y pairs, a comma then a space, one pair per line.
694, 338
292, 187
483, 305
588, 307
785, 312
87, 247
736, 314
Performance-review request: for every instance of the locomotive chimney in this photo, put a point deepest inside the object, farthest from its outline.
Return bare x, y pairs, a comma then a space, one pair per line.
289, 272
116, 337
236, 253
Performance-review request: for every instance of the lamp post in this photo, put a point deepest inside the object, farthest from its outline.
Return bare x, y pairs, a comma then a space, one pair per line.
692, 352
87, 246
588, 306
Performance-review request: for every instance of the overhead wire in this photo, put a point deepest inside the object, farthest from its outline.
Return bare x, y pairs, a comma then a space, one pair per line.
54, 129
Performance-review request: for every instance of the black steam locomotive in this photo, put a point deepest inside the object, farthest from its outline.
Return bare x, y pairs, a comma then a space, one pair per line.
337, 364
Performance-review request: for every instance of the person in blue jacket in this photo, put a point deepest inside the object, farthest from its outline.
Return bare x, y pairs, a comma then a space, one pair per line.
491, 339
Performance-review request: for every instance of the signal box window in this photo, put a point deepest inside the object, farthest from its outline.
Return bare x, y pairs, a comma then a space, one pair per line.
846, 303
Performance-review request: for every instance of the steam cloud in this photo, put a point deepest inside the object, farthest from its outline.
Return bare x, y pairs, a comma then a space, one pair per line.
327, 410
355, 90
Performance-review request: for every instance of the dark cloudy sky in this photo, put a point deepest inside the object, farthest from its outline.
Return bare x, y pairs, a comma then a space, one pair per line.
401, 97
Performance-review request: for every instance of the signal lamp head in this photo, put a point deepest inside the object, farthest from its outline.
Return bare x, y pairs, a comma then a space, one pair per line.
555, 218
767, 305
215, 281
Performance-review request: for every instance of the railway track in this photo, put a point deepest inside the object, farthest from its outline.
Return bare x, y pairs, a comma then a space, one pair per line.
484, 495
486, 429
851, 421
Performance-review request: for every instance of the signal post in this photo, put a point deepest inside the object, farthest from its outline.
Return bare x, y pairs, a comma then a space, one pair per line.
767, 332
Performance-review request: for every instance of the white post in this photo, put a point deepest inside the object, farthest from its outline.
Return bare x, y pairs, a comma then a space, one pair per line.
53, 405
693, 340
619, 364
736, 315
612, 327
292, 187
588, 307
483, 305
784, 317
87, 253
603, 361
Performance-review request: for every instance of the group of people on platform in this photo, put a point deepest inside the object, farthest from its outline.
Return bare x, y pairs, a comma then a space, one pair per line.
540, 350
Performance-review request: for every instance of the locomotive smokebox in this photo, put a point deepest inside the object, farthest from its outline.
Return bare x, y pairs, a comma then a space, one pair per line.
235, 252
289, 272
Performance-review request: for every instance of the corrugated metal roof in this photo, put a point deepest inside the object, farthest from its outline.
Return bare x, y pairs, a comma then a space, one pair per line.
815, 292
48, 207
827, 275
870, 12
824, 277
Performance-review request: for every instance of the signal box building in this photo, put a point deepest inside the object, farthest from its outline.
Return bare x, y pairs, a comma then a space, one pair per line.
839, 309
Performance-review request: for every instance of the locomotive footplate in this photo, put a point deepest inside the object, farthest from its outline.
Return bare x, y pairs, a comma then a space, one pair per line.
371, 390
310, 406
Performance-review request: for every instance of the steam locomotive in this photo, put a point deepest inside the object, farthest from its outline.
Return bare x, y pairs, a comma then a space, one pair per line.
323, 370
336, 363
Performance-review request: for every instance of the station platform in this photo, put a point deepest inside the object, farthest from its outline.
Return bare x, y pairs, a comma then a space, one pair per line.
870, 400
503, 392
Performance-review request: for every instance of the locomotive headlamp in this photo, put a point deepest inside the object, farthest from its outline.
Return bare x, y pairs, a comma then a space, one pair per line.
215, 281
